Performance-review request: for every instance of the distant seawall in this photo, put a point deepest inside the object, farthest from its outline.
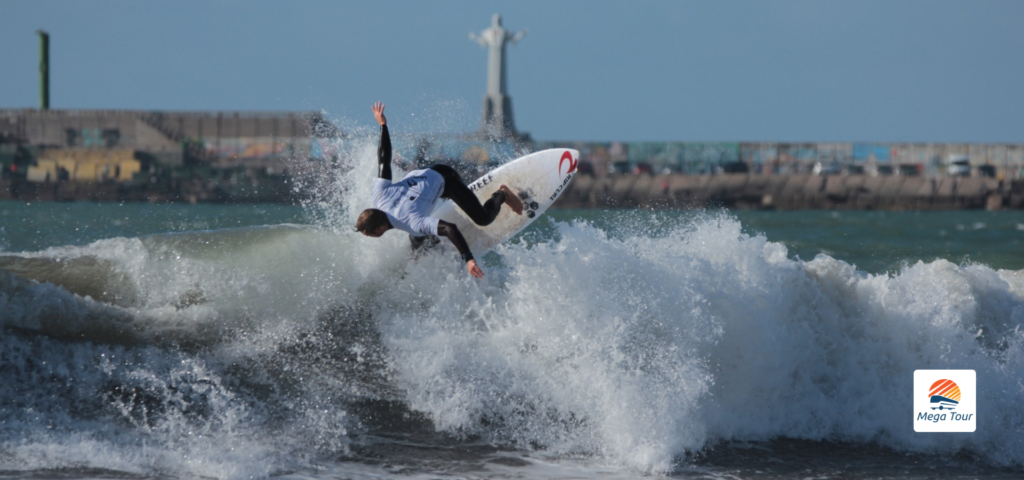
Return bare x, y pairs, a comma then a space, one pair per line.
741, 191
275, 190
793, 192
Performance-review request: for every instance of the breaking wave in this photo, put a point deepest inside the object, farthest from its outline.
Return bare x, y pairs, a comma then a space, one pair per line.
257, 351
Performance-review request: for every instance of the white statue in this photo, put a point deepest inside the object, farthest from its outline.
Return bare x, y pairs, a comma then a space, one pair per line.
497, 116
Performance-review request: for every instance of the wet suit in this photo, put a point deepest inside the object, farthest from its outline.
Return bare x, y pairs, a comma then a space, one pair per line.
422, 232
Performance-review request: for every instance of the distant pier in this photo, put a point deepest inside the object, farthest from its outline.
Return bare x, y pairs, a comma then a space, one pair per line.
739, 191
793, 192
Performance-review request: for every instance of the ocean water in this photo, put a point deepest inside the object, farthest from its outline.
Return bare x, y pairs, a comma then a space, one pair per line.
243, 341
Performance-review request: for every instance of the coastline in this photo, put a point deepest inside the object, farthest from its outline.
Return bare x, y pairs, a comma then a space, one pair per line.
739, 191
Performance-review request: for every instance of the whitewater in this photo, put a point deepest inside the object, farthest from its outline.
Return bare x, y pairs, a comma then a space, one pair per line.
310, 350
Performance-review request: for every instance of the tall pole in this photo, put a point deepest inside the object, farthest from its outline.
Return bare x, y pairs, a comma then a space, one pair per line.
44, 70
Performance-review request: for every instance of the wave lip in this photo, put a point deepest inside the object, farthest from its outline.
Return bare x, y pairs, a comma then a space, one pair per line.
194, 287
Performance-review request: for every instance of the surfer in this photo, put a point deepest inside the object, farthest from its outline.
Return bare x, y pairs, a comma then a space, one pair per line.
406, 205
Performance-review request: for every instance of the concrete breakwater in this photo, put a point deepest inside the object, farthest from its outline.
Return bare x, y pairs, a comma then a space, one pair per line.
272, 190
793, 192
741, 191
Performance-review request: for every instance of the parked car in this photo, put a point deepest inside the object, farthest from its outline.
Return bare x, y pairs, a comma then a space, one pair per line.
826, 169
883, 170
736, 167
987, 171
585, 168
909, 170
958, 165
643, 168
855, 169
619, 168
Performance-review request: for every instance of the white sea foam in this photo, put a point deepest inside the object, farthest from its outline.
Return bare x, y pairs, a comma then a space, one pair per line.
640, 349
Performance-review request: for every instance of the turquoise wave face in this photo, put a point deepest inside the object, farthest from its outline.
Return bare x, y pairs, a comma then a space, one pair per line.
874, 242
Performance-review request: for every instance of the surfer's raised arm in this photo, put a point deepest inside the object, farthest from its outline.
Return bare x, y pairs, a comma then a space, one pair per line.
407, 205
384, 147
449, 230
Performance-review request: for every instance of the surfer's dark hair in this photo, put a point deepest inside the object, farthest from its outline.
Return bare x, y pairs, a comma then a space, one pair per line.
370, 220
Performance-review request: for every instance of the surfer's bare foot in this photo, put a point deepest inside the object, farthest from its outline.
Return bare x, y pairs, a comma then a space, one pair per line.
512, 200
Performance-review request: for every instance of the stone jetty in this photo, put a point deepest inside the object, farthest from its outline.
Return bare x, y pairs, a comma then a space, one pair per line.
739, 191
793, 192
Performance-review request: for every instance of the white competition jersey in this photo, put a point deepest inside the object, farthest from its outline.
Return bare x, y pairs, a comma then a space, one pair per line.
408, 203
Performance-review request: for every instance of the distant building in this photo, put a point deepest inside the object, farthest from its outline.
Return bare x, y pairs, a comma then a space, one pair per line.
87, 145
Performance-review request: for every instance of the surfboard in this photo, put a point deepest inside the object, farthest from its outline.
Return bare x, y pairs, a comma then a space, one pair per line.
538, 178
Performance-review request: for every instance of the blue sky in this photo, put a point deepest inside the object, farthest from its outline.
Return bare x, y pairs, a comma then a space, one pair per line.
587, 70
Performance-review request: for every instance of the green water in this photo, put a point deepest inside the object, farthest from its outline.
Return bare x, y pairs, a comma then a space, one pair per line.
874, 241
35, 226
883, 241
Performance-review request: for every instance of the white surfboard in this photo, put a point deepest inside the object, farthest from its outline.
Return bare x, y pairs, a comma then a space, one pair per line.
539, 178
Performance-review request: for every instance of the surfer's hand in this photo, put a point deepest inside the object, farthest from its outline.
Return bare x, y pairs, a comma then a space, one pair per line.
378, 113
473, 269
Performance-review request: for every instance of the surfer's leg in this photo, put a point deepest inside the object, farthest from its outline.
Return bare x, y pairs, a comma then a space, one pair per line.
459, 193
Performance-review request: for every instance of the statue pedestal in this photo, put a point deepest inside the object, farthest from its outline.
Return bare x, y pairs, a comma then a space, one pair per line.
497, 121
497, 117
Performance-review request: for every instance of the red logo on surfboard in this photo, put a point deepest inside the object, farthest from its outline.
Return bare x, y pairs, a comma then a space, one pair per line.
572, 162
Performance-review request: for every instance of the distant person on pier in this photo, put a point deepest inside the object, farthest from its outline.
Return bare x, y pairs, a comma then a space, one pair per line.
406, 205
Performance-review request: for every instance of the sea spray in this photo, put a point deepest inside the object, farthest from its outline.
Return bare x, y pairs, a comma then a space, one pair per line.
639, 349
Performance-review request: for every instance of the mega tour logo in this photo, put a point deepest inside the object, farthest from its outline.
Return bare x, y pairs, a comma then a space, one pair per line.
945, 401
